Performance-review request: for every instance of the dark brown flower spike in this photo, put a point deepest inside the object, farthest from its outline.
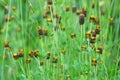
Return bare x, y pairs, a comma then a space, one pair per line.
81, 19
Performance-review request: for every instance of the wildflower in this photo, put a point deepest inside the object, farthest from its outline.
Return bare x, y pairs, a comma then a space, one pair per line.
81, 19
111, 22
63, 51
96, 21
21, 53
15, 56
13, 8
63, 28
68, 77
99, 49
18, 29
48, 55
31, 53
6, 44
40, 31
6, 9
73, 35
102, 12
28, 61
78, 12
92, 40
47, 10
67, 8
45, 32
97, 30
83, 48
93, 33
49, 20
12, 18
41, 62
88, 34
93, 5
94, 62
73, 8
92, 18
86, 72
35, 53
54, 60
49, 2
84, 11
44, 15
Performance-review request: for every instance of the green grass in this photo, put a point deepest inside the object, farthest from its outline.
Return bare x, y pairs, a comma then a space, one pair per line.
75, 63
